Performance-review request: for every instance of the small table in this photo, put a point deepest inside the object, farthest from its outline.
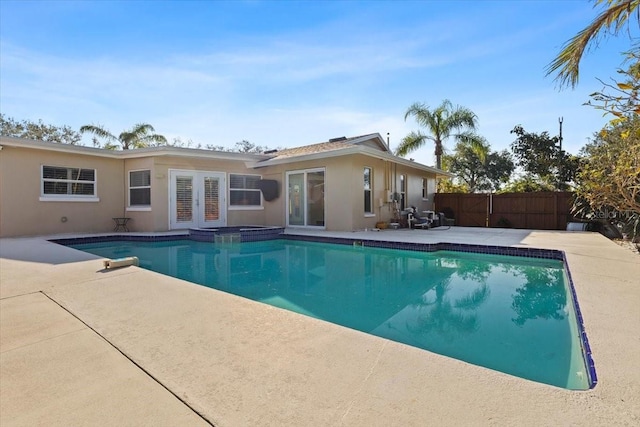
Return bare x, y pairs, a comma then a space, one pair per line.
121, 223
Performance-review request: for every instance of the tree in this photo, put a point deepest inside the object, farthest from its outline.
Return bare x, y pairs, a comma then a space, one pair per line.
618, 15
478, 172
243, 146
139, 136
39, 131
526, 184
609, 179
180, 143
499, 167
442, 122
448, 185
620, 98
539, 155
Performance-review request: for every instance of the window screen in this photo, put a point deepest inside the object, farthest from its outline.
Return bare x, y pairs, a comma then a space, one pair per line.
140, 188
244, 191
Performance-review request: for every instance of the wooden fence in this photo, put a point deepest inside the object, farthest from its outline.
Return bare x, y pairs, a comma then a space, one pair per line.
542, 211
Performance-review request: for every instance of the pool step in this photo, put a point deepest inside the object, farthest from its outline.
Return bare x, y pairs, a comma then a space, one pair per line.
228, 238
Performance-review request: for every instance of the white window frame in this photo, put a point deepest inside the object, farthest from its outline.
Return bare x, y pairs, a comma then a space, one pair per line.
68, 197
370, 190
403, 191
306, 173
135, 208
244, 207
425, 188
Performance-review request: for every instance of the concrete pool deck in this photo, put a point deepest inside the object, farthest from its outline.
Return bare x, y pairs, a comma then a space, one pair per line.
84, 346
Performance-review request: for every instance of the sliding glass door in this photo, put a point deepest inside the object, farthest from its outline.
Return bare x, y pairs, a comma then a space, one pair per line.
305, 198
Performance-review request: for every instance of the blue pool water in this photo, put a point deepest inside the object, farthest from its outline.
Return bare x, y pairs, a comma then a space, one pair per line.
511, 314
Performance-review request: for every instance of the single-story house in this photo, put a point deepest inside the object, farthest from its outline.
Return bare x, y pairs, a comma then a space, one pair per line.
342, 184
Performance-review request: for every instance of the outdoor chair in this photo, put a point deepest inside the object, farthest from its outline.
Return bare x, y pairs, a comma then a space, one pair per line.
416, 221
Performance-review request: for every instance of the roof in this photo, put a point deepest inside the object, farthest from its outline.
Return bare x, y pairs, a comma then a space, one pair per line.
130, 154
372, 145
310, 149
332, 145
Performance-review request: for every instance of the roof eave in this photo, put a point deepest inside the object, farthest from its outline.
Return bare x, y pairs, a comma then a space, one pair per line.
129, 154
356, 149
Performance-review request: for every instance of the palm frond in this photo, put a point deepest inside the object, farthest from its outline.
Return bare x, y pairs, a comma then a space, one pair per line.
127, 140
420, 113
473, 300
477, 143
140, 136
142, 129
462, 117
411, 142
99, 131
614, 18
159, 139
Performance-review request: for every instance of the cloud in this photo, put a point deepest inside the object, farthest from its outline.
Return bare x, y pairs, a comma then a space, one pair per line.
304, 83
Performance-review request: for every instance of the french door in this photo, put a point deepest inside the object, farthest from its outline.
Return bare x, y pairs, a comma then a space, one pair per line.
305, 198
196, 199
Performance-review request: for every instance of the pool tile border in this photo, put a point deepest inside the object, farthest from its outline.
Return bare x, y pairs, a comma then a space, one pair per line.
68, 241
432, 247
586, 348
269, 234
245, 233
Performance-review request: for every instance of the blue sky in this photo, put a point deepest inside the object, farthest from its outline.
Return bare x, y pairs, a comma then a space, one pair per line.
287, 73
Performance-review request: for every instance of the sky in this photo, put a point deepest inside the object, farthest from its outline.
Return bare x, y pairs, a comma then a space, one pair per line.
291, 73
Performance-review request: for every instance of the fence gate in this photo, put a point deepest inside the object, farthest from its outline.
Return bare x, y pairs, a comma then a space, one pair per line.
474, 210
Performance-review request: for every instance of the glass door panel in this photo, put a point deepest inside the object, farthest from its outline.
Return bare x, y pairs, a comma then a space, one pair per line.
211, 199
184, 199
315, 198
296, 199
305, 198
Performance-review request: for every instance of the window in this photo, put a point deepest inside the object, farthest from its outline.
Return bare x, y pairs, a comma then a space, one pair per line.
425, 188
244, 191
403, 192
368, 204
68, 184
140, 188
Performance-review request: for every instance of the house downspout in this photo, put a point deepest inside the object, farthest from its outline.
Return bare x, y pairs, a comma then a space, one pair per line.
124, 190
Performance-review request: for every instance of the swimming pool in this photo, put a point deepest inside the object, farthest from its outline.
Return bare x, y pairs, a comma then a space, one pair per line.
511, 314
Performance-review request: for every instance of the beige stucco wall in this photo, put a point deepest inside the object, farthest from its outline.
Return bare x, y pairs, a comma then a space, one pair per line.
344, 191
160, 188
142, 219
386, 177
274, 210
23, 214
338, 195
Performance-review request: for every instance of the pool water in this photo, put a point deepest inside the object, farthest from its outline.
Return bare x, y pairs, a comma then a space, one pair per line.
510, 314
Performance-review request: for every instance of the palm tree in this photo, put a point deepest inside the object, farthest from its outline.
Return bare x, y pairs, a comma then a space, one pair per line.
612, 19
441, 122
139, 136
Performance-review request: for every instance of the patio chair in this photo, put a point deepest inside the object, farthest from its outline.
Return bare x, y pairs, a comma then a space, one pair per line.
416, 221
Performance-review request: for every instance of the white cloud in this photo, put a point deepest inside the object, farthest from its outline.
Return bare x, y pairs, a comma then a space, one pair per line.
346, 77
